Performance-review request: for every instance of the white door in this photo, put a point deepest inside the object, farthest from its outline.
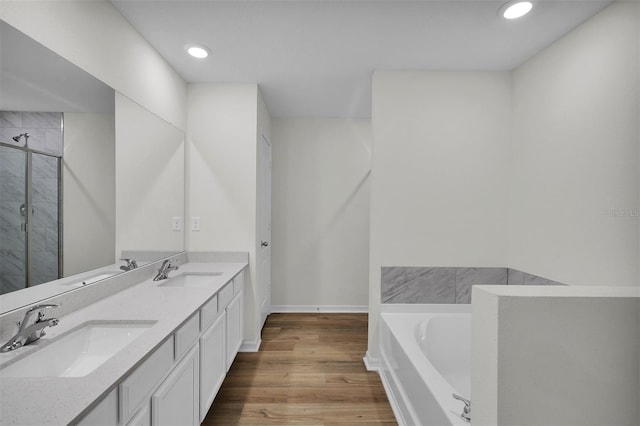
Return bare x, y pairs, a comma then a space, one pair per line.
264, 231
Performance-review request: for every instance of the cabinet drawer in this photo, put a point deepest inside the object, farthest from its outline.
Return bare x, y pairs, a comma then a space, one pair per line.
238, 283
139, 384
208, 312
187, 335
225, 295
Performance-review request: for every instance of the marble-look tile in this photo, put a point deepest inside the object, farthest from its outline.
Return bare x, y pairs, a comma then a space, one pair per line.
530, 279
418, 285
45, 263
515, 277
44, 239
52, 239
53, 141
36, 139
44, 166
467, 277
486, 276
45, 214
44, 190
12, 262
41, 279
12, 238
39, 238
10, 216
12, 190
42, 120
13, 163
7, 134
401, 274
11, 282
11, 119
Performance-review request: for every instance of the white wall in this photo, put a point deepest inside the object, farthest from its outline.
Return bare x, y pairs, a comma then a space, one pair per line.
578, 364
222, 171
574, 194
149, 180
224, 122
321, 171
440, 173
94, 36
88, 177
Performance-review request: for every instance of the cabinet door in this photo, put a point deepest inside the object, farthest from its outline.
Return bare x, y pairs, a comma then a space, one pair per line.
213, 366
142, 417
176, 401
234, 328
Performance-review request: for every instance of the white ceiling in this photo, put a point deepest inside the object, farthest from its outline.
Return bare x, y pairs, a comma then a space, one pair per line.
315, 58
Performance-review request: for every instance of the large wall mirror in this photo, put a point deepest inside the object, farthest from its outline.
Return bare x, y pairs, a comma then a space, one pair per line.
86, 175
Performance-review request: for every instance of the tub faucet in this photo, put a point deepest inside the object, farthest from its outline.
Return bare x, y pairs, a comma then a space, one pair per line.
163, 272
466, 411
30, 331
131, 264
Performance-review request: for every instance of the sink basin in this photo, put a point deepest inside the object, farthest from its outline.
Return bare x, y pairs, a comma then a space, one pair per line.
78, 352
191, 280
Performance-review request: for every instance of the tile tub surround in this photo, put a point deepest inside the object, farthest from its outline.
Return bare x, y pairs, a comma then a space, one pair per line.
30, 401
447, 284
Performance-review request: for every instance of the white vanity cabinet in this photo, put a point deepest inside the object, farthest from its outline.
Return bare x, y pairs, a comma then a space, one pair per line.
213, 366
178, 382
176, 401
105, 413
234, 328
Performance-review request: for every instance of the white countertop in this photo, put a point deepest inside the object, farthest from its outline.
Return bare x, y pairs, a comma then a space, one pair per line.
52, 400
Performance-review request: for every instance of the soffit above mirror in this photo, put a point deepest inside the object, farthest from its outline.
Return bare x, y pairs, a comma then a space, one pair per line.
33, 78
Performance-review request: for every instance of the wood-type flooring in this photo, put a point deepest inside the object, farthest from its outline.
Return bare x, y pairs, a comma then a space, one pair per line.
309, 371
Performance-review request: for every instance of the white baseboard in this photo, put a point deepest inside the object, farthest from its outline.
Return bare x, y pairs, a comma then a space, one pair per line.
276, 309
372, 364
253, 346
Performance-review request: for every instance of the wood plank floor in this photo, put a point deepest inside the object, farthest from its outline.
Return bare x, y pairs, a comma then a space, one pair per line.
309, 371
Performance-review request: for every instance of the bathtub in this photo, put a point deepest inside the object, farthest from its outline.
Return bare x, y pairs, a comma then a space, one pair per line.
425, 358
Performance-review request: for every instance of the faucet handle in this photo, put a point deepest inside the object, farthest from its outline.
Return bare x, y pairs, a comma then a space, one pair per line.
466, 411
38, 309
43, 306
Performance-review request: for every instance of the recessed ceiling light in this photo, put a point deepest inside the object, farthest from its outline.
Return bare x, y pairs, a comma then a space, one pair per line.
197, 51
515, 9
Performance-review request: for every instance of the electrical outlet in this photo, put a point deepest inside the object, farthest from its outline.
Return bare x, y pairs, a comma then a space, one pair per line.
195, 223
176, 223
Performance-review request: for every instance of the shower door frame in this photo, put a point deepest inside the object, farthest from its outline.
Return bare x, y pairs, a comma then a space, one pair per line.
28, 264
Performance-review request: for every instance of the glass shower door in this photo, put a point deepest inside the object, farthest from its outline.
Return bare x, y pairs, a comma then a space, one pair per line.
44, 230
13, 219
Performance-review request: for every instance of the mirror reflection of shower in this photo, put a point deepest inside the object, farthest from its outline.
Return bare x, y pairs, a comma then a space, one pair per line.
30, 199
26, 138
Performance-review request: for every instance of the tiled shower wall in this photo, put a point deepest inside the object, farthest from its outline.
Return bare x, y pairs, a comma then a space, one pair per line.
447, 284
45, 134
44, 128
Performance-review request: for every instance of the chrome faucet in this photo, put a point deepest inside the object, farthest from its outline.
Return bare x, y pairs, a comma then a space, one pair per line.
131, 264
163, 272
466, 411
30, 331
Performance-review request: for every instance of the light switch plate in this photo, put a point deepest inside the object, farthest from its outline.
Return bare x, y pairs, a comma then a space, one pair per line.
176, 223
195, 223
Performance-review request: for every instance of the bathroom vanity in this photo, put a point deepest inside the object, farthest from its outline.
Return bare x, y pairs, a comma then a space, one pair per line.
183, 333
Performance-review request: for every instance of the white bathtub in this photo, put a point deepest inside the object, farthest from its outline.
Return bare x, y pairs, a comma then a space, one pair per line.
425, 358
